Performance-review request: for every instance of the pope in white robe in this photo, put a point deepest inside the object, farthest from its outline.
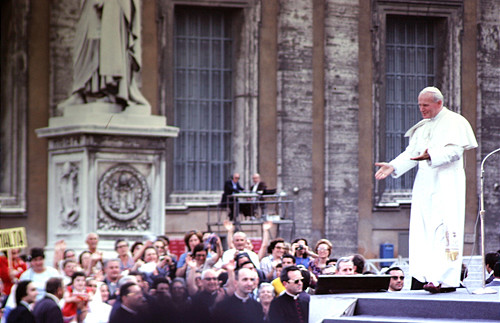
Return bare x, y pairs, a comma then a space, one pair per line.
437, 215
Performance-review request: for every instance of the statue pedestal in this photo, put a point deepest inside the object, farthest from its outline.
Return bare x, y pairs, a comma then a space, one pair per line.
106, 175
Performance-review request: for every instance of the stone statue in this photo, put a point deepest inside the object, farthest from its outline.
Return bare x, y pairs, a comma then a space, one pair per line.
107, 54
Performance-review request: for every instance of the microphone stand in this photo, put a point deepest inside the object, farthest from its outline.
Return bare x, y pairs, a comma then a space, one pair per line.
482, 212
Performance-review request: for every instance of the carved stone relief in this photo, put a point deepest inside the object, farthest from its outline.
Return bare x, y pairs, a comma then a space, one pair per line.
124, 196
69, 195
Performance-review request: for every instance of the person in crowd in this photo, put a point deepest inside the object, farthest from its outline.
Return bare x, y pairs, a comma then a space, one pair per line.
437, 218
258, 186
47, 309
286, 261
199, 259
92, 242
240, 307
191, 239
112, 274
132, 300
300, 249
25, 296
77, 295
397, 281
136, 249
496, 276
181, 302
323, 249
242, 259
85, 263
98, 309
9, 275
293, 305
68, 269
238, 243
152, 266
206, 298
359, 263
266, 295
268, 264
127, 262
345, 266
490, 259
38, 273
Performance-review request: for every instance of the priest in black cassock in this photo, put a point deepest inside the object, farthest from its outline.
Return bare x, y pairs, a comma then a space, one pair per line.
293, 305
241, 307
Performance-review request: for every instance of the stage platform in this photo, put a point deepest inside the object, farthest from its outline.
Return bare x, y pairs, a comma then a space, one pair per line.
405, 306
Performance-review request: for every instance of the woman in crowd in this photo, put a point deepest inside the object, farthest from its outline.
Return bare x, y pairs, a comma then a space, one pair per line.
323, 249
266, 296
191, 239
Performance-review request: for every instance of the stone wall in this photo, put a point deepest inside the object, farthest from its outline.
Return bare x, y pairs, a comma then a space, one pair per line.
489, 110
341, 93
294, 107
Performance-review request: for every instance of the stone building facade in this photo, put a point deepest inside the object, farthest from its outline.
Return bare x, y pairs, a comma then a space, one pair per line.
309, 92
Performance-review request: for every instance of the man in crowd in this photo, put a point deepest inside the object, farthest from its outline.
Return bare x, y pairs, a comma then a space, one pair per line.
345, 266
112, 274
240, 307
239, 243
397, 279
291, 306
286, 261
25, 296
132, 301
47, 309
496, 275
437, 144
204, 300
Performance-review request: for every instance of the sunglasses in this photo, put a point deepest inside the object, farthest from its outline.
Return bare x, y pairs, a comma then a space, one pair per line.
296, 281
398, 277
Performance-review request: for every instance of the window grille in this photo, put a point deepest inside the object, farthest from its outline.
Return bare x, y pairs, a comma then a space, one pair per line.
203, 102
410, 66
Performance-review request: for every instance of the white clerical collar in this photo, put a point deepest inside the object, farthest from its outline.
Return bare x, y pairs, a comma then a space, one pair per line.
243, 299
128, 309
292, 296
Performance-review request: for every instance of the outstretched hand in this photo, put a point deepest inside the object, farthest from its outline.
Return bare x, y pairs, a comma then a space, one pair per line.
385, 170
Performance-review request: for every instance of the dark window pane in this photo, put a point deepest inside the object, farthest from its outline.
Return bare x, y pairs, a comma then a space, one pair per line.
203, 98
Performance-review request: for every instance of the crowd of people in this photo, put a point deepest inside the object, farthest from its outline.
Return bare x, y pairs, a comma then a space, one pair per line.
146, 282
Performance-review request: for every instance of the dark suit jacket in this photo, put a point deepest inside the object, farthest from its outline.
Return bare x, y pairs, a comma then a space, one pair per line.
229, 190
123, 316
47, 311
21, 314
261, 186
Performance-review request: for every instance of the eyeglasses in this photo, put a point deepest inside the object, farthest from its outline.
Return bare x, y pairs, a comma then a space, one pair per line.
210, 278
296, 281
323, 249
122, 246
398, 277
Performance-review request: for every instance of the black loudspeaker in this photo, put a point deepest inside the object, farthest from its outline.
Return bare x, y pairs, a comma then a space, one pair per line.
338, 284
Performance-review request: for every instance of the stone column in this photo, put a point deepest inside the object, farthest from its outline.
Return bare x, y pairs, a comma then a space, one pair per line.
106, 174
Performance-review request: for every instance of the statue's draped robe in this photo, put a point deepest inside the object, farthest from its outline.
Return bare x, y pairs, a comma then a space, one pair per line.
438, 200
107, 52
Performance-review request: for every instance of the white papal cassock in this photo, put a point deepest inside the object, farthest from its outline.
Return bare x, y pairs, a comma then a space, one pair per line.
438, 201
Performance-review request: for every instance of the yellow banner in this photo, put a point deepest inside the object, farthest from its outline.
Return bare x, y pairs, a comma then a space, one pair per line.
13, 238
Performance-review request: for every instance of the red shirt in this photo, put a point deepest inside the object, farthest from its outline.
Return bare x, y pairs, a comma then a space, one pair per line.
17, 264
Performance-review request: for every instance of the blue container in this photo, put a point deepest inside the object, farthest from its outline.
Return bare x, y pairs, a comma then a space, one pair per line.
386, 251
